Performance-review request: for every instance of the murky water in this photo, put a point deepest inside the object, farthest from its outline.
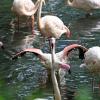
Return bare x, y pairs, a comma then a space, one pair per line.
20, 79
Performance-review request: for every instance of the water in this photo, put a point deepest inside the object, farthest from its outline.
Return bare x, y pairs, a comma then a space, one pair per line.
20, 79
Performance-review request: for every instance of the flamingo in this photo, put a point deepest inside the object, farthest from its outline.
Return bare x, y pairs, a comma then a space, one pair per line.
51, 26
60, 58
54, 61
25, 8
87, 5
92, 60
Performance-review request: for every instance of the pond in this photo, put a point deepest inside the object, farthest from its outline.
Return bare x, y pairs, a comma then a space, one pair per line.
21, 79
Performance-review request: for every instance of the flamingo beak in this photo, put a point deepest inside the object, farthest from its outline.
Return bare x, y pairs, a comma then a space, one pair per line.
69, 33
69, 71
1, 45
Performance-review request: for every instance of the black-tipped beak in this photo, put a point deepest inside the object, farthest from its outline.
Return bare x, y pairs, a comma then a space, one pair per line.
2, 47
81, 54
69, 71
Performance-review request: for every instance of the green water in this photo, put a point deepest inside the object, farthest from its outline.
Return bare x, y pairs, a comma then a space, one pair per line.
20, 79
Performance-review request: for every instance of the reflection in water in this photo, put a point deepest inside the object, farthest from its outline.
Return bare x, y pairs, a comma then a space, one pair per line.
22, 42
86, 25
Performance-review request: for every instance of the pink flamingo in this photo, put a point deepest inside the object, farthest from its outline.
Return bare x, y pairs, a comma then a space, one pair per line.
25, 8
51, 26
61, 58
58, 60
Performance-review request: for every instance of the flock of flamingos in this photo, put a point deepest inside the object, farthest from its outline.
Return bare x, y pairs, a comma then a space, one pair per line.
52, 27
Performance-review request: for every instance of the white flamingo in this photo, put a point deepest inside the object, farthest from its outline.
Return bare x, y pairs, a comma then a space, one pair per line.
51, 26
87, 5
54, 61
25, 8
92, 60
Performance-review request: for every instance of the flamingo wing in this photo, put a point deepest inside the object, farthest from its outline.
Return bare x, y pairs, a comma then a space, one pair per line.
25, 7
37, 52
94, 4
69, 48
28, 5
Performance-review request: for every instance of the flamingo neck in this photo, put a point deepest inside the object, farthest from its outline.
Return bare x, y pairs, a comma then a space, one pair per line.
69, 3
36, 5
39, 15
57, 94
33, 11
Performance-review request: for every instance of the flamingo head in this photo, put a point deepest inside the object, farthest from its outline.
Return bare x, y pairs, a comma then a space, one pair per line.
43, 1
68, 33
65, 67
52, 42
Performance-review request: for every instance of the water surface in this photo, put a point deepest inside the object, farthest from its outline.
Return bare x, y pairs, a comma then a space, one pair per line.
20, 79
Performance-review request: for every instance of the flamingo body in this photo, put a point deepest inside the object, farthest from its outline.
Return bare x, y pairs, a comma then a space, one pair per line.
52, 26
86, 5
23, 7
92, 60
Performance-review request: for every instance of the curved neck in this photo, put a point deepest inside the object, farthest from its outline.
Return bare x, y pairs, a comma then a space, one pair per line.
32, 11
36, 5
39, 14
57, 94
69, 3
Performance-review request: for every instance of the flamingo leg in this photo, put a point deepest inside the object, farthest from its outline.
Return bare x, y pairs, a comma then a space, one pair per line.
92, 80
18, 23
58, 78
32, 24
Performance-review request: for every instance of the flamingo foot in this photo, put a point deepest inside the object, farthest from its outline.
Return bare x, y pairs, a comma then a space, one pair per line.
33, 33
